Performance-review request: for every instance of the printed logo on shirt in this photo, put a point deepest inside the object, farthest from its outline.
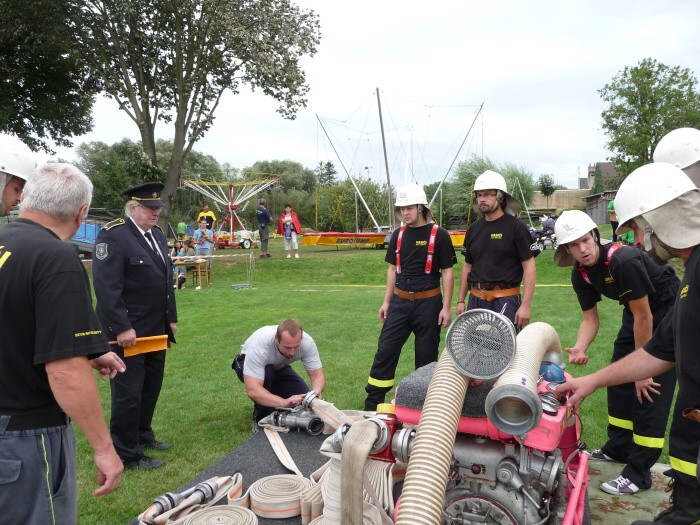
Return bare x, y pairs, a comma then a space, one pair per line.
84, 334
684, 291
610, 280
421, 243
497, 236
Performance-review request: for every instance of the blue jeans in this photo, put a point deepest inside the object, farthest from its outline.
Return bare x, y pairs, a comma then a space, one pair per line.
38, 476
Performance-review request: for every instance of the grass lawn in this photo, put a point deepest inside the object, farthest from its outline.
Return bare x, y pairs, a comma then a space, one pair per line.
335, 293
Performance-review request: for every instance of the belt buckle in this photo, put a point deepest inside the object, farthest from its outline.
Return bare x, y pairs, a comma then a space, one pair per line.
411, 296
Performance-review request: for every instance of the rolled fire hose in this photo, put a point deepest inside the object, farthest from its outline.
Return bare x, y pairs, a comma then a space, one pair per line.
423, 493
221, 515
513, 405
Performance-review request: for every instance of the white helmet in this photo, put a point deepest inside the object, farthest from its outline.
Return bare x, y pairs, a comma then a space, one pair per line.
571, 225
410, 194
647, 188
680, 147
15, 157
490, 180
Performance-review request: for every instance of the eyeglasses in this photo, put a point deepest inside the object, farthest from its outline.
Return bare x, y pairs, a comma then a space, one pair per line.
482, 195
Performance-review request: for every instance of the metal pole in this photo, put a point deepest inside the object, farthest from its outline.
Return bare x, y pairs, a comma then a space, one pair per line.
392, 219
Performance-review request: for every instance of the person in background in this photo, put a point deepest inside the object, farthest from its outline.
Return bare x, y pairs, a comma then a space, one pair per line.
497, 256
208, 216
289, 226
264, 219
204, 241
176, 254
420, 254
548, 224
17, 162
613, 219
181, 230
133, 279
49, 340
637, 412
264, 367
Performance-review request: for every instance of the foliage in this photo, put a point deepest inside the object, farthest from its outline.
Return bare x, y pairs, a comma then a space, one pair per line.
546, 185
172, 61
644, 102
598, 183
203, 409
325, 173
47, 89
339, 208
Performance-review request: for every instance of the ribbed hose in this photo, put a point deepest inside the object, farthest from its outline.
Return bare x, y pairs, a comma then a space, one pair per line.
423, 493
513, 405
356, 446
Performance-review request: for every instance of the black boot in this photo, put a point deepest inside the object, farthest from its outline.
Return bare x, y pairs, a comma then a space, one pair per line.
685, 507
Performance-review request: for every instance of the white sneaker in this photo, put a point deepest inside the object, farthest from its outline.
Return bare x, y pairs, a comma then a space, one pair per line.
296, 255
619, 486
289, 256
198, 288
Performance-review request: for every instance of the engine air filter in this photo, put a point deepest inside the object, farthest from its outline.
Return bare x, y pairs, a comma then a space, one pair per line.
481, 343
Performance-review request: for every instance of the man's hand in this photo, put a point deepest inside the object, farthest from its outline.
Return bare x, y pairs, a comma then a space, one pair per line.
109, 471
445, 318
173, 328
577, 389
108, 365
383, 312
294, 400
460, 308
522, 316
127, 338
577, 356
644, 388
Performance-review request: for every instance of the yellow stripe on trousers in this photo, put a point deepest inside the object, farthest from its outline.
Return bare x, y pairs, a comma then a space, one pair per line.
381, 383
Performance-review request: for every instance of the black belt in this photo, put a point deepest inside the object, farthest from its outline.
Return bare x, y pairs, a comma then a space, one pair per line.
55, 418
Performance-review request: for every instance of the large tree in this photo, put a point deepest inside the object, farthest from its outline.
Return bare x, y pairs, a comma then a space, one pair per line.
47, 91
172, 60
644, 102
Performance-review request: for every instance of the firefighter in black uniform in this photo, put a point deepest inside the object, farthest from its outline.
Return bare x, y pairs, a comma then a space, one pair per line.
419, 254
636, 419
133, 281
659, 202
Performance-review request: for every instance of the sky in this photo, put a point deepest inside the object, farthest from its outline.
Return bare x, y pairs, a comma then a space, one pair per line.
525, 74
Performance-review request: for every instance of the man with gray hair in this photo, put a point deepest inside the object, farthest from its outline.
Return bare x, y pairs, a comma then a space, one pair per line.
49, 339
660, 203
133, 279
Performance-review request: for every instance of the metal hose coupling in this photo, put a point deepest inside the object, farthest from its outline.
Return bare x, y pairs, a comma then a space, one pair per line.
309, 399
298, 418
382, 441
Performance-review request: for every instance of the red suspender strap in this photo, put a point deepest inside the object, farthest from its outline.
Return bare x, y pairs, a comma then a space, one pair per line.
431, 249
611, 252
398, 249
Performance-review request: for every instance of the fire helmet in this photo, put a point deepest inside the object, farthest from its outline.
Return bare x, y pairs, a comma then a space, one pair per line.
491, 180
410, 194
15, 157
680, 147
571, 225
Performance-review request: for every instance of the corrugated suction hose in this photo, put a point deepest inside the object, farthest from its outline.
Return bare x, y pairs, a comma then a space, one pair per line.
426, 479
513, 405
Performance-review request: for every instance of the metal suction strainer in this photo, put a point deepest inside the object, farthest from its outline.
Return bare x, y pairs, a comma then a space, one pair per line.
481, 343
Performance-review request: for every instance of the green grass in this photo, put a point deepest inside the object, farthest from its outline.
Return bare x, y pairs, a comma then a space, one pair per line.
335, 293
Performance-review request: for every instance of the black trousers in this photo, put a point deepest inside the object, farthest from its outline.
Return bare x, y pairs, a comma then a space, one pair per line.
134, 396
684, 445
284, 382
404, 318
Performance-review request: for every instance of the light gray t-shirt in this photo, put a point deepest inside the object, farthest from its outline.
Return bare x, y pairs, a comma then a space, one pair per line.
260, 350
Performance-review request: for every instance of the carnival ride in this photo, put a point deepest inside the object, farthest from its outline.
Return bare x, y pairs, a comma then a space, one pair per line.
232, 196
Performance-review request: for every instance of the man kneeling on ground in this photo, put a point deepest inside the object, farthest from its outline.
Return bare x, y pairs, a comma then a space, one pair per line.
264, 367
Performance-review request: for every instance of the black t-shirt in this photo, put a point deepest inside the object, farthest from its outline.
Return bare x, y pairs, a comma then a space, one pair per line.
46, 311
630, 274
496, 250
414, 251
677, 337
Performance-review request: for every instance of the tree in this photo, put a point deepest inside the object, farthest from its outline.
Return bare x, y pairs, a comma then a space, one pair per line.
325, 173
172, 61
47, 90
546, 185
644, 102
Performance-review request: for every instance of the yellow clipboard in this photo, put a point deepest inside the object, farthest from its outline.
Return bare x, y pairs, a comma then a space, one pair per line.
152, 343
